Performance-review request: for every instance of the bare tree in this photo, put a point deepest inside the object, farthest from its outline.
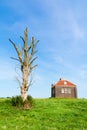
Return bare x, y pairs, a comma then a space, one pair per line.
26, 58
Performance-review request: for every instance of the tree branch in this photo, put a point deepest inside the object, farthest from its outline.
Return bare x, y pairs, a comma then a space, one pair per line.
14, 46
30, 82
19, 54
34, 66
22, 39
32, 61
36, 43
14, 58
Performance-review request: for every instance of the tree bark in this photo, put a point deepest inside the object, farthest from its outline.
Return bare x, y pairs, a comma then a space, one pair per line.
24, 88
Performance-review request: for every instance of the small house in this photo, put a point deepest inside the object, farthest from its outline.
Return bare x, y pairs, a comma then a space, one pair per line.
64, 89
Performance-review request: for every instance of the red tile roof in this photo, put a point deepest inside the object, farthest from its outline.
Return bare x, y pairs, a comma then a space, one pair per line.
64, 83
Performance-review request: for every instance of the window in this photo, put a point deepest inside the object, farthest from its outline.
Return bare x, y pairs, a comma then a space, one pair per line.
66, 90
69, 90
62, 90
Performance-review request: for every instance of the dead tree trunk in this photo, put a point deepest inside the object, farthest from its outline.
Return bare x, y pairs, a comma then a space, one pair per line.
26, 59
24, 87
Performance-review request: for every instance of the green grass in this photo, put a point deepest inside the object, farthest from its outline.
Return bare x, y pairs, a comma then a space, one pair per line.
47, 114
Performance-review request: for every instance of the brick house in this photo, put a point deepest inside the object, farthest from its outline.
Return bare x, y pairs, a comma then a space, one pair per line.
64, 89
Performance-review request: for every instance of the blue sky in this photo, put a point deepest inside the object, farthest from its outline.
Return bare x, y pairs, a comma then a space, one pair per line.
61, 27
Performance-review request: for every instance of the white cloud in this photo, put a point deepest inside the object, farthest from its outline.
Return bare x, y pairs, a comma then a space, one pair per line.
74, 26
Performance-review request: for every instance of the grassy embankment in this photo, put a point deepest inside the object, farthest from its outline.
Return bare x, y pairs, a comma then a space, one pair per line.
47, 114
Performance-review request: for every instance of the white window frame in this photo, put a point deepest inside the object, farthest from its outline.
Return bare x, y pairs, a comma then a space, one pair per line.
66, 90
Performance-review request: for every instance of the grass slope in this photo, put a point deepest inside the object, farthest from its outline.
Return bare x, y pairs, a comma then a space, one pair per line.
47, 114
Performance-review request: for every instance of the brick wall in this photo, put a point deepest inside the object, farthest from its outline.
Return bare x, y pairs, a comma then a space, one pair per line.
56, 92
